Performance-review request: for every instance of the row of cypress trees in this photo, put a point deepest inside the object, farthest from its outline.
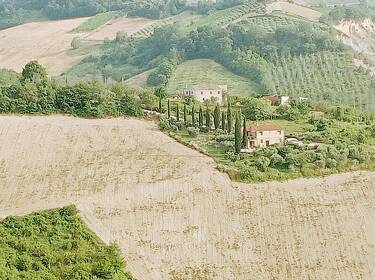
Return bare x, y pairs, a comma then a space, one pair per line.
221, 120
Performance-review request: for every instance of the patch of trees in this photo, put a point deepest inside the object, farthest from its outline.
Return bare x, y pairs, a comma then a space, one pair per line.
55, 244
353, 12
36, 93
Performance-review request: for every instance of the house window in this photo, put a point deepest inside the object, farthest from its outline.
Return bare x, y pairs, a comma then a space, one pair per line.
201, 92
261, 133
211, 92
279, 132
261, 141
218, 92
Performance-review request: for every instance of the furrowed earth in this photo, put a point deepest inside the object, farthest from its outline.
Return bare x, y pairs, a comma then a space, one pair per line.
174, 215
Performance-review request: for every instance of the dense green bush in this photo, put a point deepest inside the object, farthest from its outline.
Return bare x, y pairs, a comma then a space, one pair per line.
55, 244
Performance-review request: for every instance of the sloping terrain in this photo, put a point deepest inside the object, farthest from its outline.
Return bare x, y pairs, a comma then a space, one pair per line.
207, 71
294, 9
358, 35
45, 41
174, 215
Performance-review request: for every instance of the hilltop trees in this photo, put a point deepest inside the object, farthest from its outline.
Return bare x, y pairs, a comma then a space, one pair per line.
33, 72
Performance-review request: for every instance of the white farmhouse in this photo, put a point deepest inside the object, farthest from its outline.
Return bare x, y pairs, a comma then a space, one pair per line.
204, 93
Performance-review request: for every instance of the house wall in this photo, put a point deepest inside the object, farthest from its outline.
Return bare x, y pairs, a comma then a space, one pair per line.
202, 95
261, 138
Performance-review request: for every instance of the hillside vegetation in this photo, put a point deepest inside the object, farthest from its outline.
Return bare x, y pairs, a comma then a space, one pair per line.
13, 12
205, 71
55, 244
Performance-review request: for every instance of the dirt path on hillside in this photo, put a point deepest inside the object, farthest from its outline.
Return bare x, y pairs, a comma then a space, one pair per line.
174, 215
294, 9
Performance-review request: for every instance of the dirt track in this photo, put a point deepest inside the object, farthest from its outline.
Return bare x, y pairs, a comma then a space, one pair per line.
174, 215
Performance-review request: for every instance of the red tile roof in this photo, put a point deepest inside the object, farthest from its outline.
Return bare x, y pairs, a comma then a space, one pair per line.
264, 127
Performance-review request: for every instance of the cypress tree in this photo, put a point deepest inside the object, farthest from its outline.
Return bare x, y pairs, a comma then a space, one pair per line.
208, 119
177, 113
200, 117
244, 135
169, 110
223, 121
237, 136
229, 118
185, 114
160, 105
217, 116
193, 115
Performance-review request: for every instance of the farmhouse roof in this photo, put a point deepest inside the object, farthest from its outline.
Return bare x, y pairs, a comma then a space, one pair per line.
264, 127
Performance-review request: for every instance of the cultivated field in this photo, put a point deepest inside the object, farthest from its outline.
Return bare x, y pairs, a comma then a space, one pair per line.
294, 9
128, 25
45, 41
206, 71
174, 215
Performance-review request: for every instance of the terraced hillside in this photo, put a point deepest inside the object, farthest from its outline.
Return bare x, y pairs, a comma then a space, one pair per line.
176, 219
325, 77
206, 71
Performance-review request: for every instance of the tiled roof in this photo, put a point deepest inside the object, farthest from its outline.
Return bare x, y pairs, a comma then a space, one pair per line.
264, 127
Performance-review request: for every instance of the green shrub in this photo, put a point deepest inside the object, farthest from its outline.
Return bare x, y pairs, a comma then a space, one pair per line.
193, 131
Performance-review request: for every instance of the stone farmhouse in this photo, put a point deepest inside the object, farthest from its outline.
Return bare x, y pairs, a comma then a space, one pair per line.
264, 135
204, 93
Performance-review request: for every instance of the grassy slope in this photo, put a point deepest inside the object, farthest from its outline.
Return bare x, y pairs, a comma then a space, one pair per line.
55, 244
206, 71
95, 22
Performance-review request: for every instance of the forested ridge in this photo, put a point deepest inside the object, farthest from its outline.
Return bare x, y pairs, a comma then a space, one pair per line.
13, 12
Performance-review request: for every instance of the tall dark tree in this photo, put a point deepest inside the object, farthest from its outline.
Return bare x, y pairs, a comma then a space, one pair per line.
208, 118
200, 117
193, 115
229, 118
160, 92
244, 133
160, 105
223, 120
178, 113
169, 109
217, 117
185, 114
237, 135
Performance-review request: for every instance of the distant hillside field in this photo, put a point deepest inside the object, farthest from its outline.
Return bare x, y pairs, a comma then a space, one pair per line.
206, 71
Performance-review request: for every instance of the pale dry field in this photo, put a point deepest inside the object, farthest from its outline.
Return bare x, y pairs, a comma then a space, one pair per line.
124, 24
174, 215
45, 41
294, 9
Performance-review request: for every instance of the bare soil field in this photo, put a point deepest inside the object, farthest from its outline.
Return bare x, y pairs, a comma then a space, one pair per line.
174, 215
49, 41
294, 9
124, 24
45, 41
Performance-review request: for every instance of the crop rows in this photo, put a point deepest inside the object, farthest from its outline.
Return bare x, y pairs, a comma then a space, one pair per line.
250, 8
324, 77
147, 31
